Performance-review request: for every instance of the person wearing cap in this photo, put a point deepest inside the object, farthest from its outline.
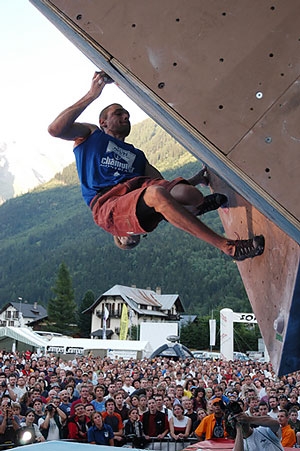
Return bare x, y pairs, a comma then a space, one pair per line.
213, 426
84, 381
255, 433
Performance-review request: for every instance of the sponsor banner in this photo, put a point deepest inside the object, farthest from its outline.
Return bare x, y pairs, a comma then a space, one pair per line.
73, 350
113, 354
244, 318
56, 349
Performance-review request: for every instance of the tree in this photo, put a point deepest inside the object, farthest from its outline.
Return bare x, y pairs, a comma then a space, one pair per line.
84, 321
62, 308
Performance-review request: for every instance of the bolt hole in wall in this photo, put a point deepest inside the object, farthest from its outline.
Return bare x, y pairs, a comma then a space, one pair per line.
267, 170
79, 17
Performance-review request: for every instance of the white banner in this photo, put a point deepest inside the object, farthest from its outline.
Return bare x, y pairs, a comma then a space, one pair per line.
212, 332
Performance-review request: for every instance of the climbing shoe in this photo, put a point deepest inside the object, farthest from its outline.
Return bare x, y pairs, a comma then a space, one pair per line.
212, 202
248, 248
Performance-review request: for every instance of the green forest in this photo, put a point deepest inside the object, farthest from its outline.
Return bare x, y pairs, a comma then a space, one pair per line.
52, 224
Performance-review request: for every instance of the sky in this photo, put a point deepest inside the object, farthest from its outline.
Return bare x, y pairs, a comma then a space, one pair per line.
42, 73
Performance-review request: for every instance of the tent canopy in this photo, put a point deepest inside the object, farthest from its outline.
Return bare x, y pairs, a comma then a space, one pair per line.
24, 335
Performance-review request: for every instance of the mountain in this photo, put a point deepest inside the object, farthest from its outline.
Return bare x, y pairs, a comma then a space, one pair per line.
24, 167
52, 224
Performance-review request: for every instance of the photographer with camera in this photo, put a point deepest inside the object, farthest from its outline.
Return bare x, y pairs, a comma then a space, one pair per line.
265, 433
9, 423
5, 389
51, 424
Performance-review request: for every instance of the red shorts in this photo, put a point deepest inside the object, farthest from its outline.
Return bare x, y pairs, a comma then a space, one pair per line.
115, 210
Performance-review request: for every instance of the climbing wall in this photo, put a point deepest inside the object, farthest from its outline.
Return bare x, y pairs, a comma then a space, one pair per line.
223, 79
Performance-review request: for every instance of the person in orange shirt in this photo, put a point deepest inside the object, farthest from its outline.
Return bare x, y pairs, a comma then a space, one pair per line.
114, 420
213, 426
288, 436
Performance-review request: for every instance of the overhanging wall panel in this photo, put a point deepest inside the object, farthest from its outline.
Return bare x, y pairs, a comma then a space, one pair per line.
270, 152
212, 58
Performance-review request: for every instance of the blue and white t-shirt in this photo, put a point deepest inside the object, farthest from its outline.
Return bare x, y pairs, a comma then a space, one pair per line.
103, 161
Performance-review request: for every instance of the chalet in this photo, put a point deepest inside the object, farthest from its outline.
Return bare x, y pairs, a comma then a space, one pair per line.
18, 314
143, 306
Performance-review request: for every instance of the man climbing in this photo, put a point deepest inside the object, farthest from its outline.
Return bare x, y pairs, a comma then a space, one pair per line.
127, 195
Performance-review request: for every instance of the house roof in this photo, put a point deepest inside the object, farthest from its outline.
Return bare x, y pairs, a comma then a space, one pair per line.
136, 297
34, 311
186, 319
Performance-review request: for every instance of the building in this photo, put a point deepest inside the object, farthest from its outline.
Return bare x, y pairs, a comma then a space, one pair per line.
17, 314
143, 306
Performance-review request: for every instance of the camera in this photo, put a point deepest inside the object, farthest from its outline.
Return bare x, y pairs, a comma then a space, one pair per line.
3, 384
50, 408
233, 408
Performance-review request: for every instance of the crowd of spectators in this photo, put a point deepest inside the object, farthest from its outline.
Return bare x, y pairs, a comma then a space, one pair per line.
116, 401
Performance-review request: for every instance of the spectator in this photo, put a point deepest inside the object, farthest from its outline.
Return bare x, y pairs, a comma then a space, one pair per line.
99, 402
100, 433
114, 420
5, 390
189, 410
38, 408
84, 381
9, 423
12, 387
65, 404
20, 388
26, 402
274, 409
133, 430
201, 413
120, 406
51, 424
79, 424
89, 409
178, 394
295, 423
263, 408
213, 425
155, 423
251, 403
199, 399
288, 434
127, 387
111, 390
247, 384
84, 393
219, 393
283, 402
143, 405
180, 425
29, 423
16, 407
